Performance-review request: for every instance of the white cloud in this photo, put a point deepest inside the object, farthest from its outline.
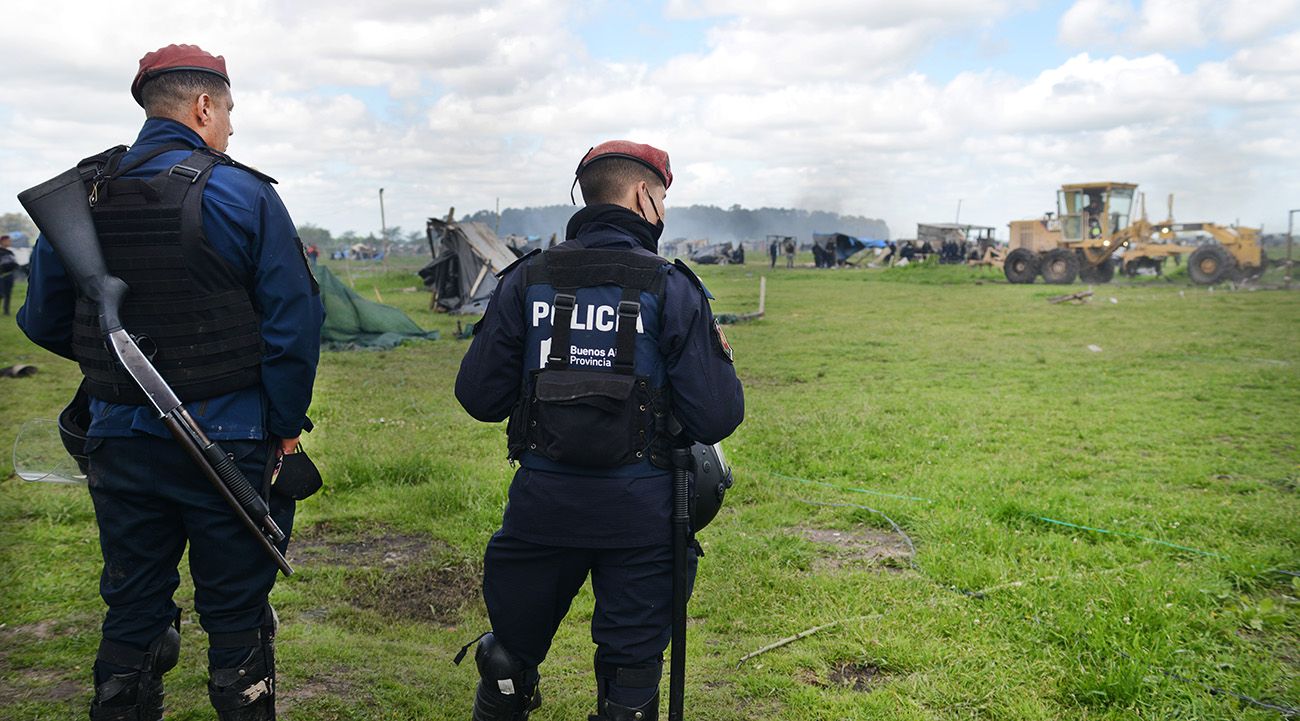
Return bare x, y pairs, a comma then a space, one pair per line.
1173, 24
1091, 22
810, 104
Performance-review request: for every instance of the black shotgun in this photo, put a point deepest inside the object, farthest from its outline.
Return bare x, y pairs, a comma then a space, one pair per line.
61, 209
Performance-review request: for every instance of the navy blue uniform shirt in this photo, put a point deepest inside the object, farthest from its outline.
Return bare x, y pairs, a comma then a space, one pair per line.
246, 224
580, 509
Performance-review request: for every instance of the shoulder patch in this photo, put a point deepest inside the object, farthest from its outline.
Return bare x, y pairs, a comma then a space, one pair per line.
720, 340
686, 271
518, 260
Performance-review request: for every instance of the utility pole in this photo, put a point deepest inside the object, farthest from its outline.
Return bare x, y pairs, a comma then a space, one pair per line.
957, 220
383, 226
1290, 239
498, 230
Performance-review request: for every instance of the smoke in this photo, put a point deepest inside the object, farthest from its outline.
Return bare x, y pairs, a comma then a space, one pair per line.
718, 225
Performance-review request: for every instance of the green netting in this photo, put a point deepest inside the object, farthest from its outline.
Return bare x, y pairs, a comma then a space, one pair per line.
353, 322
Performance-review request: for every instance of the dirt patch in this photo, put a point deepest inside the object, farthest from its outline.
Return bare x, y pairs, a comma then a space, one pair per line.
375, 548
40, 631
887, 550
421, 593
41, 686
336, 685
851, 675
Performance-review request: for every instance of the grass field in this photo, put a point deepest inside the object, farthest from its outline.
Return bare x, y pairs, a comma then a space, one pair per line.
964, 409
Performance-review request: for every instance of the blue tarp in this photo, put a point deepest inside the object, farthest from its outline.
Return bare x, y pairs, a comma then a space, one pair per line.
845, 245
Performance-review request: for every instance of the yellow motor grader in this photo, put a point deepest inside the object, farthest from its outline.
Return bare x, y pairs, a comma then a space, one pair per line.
1093, 224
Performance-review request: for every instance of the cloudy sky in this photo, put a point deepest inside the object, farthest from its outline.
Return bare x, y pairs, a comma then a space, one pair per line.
895, 109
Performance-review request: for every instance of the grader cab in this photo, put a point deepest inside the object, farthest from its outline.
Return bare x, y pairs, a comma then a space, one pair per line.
1094, 221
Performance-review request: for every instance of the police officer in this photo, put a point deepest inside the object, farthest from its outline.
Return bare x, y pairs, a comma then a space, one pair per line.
222, 293
596, 350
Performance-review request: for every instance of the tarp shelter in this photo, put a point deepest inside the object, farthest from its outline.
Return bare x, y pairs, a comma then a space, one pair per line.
466, 259
354, 322
845, 246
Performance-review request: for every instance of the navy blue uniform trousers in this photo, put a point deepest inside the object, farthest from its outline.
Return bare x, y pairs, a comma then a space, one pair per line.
528, 588
151, 500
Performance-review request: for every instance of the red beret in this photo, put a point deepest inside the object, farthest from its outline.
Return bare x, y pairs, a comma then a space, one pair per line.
647, 155
173, 58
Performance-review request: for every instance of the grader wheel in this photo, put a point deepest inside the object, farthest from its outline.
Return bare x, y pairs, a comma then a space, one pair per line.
1060, 266
1021, 266
1210, 264
1102, 273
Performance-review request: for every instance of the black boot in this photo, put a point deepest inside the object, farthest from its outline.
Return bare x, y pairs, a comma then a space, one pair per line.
138, 694
246, 692
643, 676
610, 711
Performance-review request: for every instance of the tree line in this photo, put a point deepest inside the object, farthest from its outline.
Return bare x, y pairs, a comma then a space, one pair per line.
719, 225
700, 221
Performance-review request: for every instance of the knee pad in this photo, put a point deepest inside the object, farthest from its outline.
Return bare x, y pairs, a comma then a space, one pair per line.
246, 692
628, 693
136, 695
507, 689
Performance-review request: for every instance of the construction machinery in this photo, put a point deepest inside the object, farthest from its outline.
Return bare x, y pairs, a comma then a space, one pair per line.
1093, 223
1235, 253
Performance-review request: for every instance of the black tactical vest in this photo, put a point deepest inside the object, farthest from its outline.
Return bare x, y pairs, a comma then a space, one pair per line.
188, 307
595, 390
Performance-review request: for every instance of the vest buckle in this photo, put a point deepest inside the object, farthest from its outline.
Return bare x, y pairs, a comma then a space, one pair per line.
185, 171
565, 301
629, 308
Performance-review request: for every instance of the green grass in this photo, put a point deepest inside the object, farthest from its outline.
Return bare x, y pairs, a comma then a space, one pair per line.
938, 383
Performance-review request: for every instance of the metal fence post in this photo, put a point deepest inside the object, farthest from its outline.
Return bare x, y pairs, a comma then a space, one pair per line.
1290, 239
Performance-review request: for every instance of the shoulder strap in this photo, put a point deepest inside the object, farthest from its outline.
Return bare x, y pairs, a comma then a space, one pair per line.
194, 167
629, 309
695, 279
96, 169
518, 260
185, 182
119, 170
561, 322
227, 160
98, 164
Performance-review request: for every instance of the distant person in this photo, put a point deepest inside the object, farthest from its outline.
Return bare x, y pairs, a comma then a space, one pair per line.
8, 270
771, 250
889, 256
313, 253
908, 253
1094, 210
789, 253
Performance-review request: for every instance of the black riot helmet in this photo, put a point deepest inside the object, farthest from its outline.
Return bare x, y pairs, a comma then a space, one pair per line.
710, 479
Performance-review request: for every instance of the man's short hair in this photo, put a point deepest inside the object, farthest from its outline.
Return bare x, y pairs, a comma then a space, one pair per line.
606, 180
174, 90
